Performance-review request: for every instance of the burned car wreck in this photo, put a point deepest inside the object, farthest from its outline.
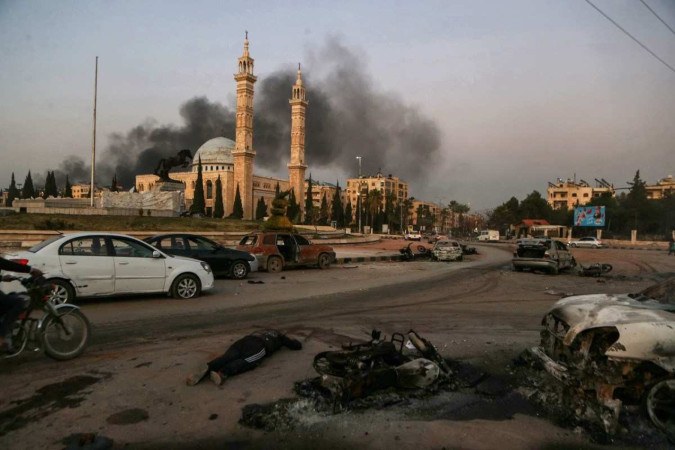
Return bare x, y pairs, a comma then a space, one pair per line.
609, 352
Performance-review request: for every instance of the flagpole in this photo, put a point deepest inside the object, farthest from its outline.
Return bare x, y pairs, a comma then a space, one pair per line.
93, 145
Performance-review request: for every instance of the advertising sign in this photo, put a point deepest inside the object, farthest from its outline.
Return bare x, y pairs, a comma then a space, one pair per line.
589, 216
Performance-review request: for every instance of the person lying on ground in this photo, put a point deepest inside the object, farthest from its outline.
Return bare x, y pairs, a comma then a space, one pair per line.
243, 355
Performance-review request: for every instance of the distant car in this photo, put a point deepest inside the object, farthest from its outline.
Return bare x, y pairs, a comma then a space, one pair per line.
618, 347
225, 262
586, 242
447, 250
100, 264
412, 236
277, 250
542, 254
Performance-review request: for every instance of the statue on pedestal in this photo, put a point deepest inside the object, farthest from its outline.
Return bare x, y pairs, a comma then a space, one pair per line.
182, 159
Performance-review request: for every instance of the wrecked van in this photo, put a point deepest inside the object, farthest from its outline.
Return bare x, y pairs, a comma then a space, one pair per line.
615, 350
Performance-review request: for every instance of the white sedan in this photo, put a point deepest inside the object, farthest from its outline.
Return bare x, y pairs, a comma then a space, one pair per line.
100, 264
586, 242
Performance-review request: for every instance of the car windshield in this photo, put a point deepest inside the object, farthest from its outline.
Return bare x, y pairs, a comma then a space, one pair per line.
36, 248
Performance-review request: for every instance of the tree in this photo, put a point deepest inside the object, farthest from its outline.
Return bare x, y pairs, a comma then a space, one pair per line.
198, 202
534, 206
323, 211
277, 190
48, 181
218, 207
293, 208
349, 213
237, 208
391, 216
113, 184
337, 213
309, 203
53, 189
373, 204
261, 209
28, 191
68, 190
13, 192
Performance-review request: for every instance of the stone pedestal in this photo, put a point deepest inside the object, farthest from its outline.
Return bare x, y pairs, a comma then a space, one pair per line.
633, 236
169, 186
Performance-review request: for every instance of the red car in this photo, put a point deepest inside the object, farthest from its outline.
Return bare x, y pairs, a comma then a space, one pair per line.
277, 250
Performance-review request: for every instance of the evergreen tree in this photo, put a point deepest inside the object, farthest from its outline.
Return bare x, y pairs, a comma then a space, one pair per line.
53, 189
309, 203
323, 212
198, 203
277, 190
218, 207
68, 190
261, 209
337, 213
28, 191
113, 183
349, 213
45, 191
293, 209
13, 192
237, 208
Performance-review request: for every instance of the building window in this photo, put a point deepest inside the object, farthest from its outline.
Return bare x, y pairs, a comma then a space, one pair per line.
209, 189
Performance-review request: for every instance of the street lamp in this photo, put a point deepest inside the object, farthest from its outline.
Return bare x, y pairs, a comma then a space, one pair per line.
358, 202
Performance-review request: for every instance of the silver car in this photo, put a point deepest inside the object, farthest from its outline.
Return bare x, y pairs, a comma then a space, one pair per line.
589, 241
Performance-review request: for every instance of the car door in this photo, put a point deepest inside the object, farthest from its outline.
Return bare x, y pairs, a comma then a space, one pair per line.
136, 270
210, 252
173, 245
287, 248
86, 261
306, 252
564, 256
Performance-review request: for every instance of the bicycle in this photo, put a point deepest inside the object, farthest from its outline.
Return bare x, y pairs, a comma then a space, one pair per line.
62, 332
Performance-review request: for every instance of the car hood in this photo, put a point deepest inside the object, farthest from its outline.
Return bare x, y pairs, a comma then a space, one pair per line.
646, 328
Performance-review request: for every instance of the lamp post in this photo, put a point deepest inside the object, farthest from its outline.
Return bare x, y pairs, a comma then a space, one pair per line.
358, 203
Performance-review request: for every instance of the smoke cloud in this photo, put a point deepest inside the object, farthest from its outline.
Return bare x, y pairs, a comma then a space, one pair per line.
347, 116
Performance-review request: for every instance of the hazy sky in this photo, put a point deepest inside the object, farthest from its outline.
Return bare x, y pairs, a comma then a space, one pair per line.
522, 92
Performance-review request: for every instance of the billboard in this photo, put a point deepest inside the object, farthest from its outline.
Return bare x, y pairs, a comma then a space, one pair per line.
589, 216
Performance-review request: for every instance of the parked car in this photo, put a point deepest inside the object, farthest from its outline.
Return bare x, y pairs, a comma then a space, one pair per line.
447, 250
99, 264
225, 262
586, 242
412, 236
277, 250
619, 349
545, 254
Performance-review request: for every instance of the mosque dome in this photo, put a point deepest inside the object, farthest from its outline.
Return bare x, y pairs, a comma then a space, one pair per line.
216, 151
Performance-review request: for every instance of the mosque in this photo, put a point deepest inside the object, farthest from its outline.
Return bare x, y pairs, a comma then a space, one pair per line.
233, 161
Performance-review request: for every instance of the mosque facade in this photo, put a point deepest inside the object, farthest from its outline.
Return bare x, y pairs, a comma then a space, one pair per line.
233, 161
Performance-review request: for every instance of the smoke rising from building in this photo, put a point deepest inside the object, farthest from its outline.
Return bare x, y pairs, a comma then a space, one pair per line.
347, 116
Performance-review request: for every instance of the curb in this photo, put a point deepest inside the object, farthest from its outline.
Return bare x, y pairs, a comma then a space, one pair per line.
360, 259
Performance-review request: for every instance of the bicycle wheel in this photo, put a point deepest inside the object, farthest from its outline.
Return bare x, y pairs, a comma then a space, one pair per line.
65, 336
19, 340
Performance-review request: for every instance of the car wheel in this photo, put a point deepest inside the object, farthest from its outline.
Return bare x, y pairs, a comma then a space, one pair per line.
186, 286
274, 264
324, 261
62, 292
554, 270
239, 270
573, 245
660, 404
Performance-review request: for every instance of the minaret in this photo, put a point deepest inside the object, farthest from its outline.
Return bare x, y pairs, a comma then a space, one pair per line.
243, 153
297, 166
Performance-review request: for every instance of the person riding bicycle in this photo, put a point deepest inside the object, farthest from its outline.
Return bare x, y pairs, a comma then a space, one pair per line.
11, 305
243, 355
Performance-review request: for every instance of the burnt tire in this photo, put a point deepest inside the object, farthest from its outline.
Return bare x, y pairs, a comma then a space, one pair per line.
274, 264
62, 292
660, 405
239, 270
324, 261
186, 286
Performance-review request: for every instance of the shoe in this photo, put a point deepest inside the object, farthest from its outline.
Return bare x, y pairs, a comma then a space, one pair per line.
198, 376
217, 378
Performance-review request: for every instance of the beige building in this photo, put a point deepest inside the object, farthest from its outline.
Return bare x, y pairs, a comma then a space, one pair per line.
387, 185
663, 187
570, 193
233, 161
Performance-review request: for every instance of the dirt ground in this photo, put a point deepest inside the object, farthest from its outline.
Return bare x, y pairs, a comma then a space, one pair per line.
129, 386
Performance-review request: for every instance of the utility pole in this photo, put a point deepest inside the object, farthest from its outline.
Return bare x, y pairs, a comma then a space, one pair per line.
93, 145
359, 202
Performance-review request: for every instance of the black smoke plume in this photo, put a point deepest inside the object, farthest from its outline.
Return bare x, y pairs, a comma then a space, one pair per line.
347, 117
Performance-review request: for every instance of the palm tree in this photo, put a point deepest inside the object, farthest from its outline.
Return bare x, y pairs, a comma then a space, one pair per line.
373, 203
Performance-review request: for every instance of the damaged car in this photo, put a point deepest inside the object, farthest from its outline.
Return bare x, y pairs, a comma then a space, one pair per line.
614, 350
447, 250
548, 255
